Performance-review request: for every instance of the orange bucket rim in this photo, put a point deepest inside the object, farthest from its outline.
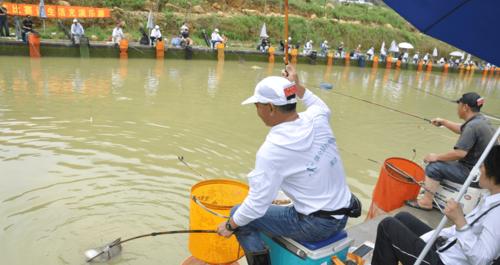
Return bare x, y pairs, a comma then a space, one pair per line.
218, 181
405, 160
402, 158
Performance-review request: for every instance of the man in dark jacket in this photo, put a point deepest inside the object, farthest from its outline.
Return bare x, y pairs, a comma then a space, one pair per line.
4, 24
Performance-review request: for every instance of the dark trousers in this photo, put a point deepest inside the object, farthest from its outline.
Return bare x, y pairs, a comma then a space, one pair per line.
398, 239
24, 36
153, 40
4, 25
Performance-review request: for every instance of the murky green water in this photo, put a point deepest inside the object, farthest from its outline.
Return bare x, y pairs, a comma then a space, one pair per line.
88, 149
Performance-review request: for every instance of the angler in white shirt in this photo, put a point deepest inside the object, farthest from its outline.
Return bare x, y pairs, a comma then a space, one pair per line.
155, 35
308, 47
415, 58
474, 239
77, 31
117, 34
300, 157
216, 38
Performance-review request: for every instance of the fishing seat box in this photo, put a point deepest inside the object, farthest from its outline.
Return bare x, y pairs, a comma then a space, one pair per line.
286, 251
449, 190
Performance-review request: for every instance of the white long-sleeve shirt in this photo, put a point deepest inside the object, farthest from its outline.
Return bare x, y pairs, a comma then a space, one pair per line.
156, 33
300, 158
77, 29
478, 245
117, 32
216, 37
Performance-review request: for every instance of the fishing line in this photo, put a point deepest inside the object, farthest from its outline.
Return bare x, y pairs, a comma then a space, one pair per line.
403, 176
382, 106
426, 92
488, 115
181, 158
358, 155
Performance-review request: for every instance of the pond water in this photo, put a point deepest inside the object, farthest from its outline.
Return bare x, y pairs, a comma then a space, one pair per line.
88, 148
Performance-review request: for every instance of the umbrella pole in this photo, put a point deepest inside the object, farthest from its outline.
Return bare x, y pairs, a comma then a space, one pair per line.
286, 32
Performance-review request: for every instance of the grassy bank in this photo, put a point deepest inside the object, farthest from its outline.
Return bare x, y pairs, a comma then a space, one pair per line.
240, 21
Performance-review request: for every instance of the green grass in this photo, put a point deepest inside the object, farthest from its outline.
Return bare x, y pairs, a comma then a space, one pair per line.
352, 24
124, 4
364, 13
247, 29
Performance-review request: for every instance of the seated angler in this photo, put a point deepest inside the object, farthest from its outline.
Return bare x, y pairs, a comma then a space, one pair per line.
456, 164
77, 31
155, 35
300, 157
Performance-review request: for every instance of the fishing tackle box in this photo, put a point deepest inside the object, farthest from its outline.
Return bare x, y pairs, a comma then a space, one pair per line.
286, 251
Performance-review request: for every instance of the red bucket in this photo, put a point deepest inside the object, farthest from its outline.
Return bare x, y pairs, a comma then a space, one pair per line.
394, 186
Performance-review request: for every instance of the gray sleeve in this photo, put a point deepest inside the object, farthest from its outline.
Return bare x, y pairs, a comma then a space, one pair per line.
467, 139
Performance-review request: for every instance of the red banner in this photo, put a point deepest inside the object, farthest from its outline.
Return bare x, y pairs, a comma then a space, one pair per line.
53, 11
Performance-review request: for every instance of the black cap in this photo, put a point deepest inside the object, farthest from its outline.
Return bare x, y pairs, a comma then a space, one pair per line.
472, 99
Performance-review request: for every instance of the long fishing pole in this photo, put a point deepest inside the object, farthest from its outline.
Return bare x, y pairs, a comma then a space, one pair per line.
286, 32
118, 242
489, 115
382, 106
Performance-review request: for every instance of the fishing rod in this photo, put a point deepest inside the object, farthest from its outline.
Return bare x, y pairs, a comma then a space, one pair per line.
382, 106
489, 115
194, 198
286, 32
114, 248
181, 158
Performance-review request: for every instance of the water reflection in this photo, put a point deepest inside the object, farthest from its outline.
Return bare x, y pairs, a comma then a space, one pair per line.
88, 148
214, 77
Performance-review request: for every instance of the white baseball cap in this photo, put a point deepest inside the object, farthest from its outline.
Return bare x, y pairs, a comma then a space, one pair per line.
75, 20
276, 90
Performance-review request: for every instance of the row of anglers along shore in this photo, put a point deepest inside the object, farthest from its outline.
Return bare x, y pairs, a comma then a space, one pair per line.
403, 52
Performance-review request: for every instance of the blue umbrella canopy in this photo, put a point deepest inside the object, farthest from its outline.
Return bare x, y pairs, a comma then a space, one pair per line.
42, 13
467, 24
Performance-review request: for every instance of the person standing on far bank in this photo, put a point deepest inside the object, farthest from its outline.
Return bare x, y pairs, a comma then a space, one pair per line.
4, 23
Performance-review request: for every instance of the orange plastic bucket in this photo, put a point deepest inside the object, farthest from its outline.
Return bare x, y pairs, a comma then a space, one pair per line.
392, 190
160, 49
123, 46
34, 44
388, 63
218, 195
271, 54
220, 51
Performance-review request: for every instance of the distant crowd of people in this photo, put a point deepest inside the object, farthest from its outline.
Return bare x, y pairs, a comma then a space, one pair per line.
183, 40
357, 53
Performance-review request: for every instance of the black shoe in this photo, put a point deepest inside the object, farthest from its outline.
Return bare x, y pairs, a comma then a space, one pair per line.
258, 258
